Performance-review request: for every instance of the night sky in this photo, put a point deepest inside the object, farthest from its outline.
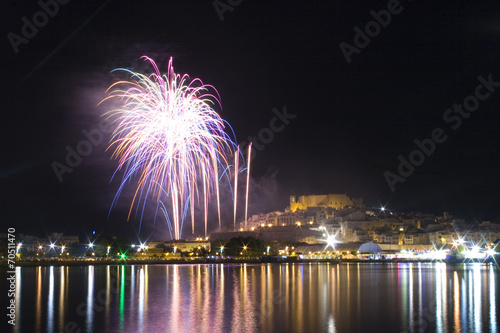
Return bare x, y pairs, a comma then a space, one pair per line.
349, 117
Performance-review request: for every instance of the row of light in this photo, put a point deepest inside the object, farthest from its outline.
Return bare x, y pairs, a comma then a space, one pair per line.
63, 247
263, 225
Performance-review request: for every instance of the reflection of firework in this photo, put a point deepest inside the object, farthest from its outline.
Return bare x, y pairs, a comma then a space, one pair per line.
170, 137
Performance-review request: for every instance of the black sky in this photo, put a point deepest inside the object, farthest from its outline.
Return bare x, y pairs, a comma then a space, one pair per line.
352, 121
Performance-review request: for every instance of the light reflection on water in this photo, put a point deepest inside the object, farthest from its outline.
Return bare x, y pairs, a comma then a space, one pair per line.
309, 297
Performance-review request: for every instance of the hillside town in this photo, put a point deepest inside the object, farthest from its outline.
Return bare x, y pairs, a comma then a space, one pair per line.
330, 226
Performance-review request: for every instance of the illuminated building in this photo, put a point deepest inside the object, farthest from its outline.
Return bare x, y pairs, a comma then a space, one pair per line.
337, 201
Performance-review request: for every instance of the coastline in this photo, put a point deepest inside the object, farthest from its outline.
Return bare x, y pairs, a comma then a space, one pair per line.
73, 263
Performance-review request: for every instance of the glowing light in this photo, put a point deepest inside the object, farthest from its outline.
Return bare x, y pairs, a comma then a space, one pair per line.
248, 182
169, 142
474, 253
236, 171
331, 241
491, 252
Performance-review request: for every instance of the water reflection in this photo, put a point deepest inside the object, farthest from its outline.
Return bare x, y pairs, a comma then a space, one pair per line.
259, 298
50, 302
18, 296
38, 312
62, 296
477, 297
493, 313
122, 297
90, 298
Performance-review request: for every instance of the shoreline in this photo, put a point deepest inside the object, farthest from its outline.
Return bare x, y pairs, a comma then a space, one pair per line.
73, 263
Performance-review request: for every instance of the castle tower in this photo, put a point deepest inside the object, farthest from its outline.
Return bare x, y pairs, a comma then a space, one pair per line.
293, 204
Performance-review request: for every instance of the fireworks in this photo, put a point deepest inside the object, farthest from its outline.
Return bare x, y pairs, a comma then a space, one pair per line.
168, 141
248, 183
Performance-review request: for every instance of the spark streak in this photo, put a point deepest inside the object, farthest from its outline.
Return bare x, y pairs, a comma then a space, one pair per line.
169, 142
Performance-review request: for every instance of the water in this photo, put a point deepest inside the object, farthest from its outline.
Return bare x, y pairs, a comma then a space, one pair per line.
305, 297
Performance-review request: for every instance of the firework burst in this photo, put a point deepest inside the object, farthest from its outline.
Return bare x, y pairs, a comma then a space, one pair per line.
169, 141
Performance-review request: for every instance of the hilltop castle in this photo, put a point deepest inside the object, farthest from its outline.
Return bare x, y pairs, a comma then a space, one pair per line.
336, 201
